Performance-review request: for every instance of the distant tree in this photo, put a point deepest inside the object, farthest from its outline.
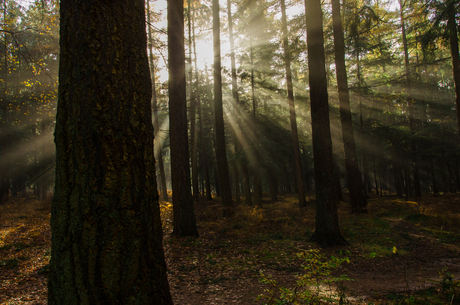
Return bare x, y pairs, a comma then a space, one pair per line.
355, 184
327, 230
193, 93
292, 115
454, 51
184, 215
221, 154
106, 228
236, 105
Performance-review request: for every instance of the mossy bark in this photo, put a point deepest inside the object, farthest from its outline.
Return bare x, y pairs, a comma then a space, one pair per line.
106, 229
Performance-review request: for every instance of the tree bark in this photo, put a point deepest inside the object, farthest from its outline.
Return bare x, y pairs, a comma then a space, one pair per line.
327, 232
292, 114
358, 200
105, 220
184, 214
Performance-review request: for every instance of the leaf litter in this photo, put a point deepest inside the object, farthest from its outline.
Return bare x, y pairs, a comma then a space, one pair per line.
392, 254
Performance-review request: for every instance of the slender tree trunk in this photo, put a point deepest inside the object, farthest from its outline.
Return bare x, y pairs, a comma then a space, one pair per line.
236, 100
204, 155
224, 178
5, 123
397, 180
246, 183
376, 179
156, 123
105, 220
410, 102
361, 124
184, 215
292, 114
236, 178
454, 51
327, 230
358, 200
193, 140
256, 168
273, 187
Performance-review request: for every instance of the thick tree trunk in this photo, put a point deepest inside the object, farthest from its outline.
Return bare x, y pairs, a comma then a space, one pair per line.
327, 230
184, 214
292, 114
221, 153
358, 200
105, 220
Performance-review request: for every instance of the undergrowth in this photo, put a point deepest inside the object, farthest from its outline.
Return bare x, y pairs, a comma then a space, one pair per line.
316, 285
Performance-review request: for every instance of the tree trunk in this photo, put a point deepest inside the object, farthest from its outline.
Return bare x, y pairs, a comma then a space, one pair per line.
246, 183
410, 102
204, 155
236, 100
292, 114
397, 180
106, 227
454, 51
156, 123
221, 153
255, 167
184, 214
273, 187
194, 156
327, 230
4, 168
358, 200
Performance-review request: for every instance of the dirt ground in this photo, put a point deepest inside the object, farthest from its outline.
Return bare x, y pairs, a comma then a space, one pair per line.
223, 266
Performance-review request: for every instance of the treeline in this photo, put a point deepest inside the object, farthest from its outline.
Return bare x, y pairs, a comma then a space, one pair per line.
401, 90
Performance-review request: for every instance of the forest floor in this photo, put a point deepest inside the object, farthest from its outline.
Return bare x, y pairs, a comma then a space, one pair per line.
402, 252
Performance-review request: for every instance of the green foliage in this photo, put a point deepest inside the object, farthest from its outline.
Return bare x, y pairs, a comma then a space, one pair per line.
315, 286
448, 286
